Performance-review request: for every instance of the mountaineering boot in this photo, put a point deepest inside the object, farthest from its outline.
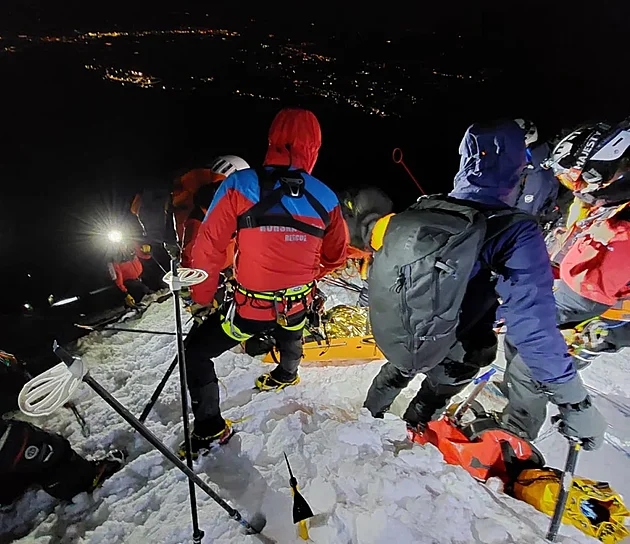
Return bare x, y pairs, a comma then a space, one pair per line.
201, 442
108, 466
267, 382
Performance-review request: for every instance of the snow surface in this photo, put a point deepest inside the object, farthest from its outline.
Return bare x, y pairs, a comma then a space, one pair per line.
364, 481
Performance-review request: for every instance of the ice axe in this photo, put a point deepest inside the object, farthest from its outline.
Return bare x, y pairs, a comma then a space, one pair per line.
301, 510
565, 486
480, 383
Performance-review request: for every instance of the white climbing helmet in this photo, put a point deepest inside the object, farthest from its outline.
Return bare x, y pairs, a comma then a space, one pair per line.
531, 132
228, 164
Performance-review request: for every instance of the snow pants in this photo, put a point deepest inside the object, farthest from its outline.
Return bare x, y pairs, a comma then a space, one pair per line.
527, 407
210, 340
476, 348
31, 456
526, 410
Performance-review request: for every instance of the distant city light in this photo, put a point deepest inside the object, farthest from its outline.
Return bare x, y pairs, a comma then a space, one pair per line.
115, 236
27, 306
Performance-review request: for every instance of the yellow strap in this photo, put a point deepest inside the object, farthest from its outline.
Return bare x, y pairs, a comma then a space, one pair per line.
233, 331
378, 233
286, 294
297, 327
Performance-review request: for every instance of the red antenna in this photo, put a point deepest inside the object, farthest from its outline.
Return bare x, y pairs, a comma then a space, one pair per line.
397, 157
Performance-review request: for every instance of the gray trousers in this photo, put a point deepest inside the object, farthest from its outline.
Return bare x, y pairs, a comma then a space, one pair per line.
527, 407
526, 410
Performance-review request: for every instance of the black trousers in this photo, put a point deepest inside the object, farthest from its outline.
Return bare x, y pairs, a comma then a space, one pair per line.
210, 340
476, 347
31, 456
137, 289
441, 383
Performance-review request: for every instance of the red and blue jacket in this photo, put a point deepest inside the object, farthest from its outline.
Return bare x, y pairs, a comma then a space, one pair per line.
269, 258
272, 258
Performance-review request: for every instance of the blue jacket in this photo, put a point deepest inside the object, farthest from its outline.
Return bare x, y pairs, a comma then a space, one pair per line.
492, 159
539, 188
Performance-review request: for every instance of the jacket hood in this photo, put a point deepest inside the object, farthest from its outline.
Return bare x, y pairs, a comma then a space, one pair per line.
492, 159
294, 139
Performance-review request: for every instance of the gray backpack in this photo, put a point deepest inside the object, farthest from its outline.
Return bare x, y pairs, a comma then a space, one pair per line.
419, 277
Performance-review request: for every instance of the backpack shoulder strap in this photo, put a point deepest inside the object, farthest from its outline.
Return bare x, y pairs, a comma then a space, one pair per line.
498, 221
292, 185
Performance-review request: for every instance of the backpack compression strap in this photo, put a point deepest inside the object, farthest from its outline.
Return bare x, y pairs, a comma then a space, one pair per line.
291, 185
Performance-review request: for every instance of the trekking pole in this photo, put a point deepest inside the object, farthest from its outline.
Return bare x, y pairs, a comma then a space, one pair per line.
175, 282
565, 486
123, 329
397, 157
85, 428
480, 383
46, 393
158, 391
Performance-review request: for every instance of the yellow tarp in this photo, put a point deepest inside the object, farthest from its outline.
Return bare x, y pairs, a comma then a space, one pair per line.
539, 487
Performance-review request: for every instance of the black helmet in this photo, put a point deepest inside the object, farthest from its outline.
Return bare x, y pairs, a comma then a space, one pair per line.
361, 209
592, 156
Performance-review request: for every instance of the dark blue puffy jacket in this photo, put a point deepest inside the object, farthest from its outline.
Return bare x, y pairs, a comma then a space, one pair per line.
492, 159
539, 190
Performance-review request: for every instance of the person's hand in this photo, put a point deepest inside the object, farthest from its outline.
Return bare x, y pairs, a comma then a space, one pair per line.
172, 250
186, 295
578, 418
130, 301
200, 312
583, 422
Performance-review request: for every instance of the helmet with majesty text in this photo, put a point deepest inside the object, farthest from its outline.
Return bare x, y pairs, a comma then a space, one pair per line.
228, 164
592, 156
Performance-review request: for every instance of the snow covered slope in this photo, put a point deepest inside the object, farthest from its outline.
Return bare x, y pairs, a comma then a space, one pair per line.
363, 480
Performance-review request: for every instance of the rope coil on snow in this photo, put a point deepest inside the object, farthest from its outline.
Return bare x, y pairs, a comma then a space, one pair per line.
49, 391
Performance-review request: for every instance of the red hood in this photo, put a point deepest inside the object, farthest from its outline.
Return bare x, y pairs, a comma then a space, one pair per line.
294, 139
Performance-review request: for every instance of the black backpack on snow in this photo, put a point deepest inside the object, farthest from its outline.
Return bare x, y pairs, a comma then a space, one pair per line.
419, 277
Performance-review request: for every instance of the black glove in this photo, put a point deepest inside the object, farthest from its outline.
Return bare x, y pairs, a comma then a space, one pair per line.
173, 251
578, 417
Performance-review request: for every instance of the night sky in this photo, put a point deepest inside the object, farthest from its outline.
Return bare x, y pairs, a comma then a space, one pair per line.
72, 150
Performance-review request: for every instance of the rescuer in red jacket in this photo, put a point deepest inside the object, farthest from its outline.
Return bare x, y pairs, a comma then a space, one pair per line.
289, 232
126, 272
221, 168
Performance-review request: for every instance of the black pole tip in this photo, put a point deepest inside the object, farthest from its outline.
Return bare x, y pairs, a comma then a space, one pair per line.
257, 523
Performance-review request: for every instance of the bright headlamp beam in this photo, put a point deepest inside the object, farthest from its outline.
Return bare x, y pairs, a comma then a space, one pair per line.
114, 236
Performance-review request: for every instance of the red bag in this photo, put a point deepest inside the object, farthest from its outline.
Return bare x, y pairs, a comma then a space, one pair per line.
482, 447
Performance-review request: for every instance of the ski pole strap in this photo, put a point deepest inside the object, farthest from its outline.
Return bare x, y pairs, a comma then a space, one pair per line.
485, 377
